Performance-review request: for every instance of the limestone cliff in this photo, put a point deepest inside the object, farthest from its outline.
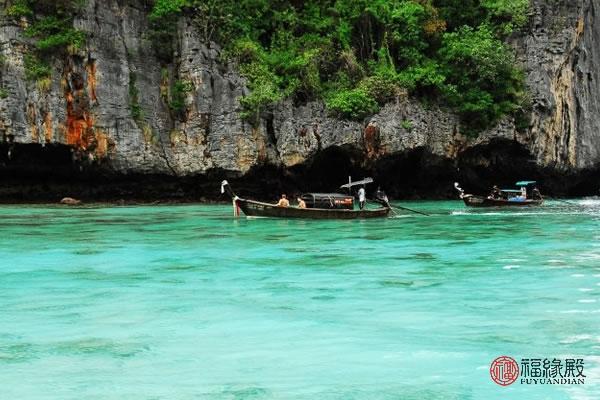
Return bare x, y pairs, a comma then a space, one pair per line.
88, 106
562, 58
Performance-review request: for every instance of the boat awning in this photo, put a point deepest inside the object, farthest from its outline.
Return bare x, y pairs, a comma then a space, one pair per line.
363, 182
326, 195
510, 190
525, 183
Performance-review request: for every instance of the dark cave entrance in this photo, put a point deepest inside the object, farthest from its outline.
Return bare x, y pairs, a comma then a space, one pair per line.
329, 169
415, 174
35, 161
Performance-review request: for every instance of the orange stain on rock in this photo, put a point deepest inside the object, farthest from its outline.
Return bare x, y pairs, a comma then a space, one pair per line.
79, 130
31, 118
91, 79
48, 127
79, 121
103, 144
372, 140
35, 134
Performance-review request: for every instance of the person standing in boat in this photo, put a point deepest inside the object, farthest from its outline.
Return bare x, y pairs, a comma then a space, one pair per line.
380, 195
283, 201
362, 197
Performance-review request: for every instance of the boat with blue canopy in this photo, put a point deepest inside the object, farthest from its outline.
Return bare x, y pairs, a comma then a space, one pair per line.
527, 194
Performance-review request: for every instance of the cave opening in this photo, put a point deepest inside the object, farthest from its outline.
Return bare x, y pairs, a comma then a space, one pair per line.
415, 174
330, 168
35, 161
500, 162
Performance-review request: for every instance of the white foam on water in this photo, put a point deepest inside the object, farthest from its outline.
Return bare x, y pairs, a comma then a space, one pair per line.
589, 203
458, 213
511, 267
586, 301
577, 338
583, 289
577, 276
509, 213
586, 256
592, 373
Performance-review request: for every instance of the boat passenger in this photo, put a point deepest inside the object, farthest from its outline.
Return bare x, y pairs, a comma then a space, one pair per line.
301, 203
381, 196
283, 201
496, 193
362, 198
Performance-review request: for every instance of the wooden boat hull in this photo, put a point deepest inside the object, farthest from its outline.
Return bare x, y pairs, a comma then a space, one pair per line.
480, 201
257, 209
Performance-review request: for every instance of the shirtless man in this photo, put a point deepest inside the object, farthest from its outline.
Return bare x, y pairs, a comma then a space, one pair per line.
301, 203
283, 201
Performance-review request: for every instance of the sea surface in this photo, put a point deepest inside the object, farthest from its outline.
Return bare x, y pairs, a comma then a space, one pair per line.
188, 302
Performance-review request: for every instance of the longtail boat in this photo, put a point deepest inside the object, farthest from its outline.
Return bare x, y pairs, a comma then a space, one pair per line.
318, 206
527, 195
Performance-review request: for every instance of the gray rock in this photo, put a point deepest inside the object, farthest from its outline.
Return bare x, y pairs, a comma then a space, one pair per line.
88, 102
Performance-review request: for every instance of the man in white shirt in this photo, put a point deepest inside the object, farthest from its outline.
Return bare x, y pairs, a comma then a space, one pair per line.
362, 198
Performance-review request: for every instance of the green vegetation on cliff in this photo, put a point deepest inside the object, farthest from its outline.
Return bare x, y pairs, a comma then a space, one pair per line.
357, 55
50, 24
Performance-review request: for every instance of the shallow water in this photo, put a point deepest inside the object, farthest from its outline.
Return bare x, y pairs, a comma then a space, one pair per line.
186, 302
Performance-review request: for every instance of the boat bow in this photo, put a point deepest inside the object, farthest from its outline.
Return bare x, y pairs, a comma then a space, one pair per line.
226, 188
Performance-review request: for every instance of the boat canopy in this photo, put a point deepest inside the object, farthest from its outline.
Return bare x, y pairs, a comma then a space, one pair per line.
510, 190
327, 195
328, 200
525, 183
357, 183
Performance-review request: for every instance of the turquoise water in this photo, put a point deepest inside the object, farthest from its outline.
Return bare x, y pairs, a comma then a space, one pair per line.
186, 302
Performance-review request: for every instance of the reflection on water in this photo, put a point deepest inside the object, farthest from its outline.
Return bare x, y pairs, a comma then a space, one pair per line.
182, 302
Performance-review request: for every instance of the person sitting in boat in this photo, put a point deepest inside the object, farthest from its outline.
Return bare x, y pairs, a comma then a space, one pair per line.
496, 193
362, 197
283, 201
301, 203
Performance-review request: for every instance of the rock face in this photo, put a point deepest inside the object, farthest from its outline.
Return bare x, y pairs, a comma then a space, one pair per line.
89, 105
562, 58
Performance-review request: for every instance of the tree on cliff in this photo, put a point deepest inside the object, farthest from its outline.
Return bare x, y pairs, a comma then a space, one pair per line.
358, 54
